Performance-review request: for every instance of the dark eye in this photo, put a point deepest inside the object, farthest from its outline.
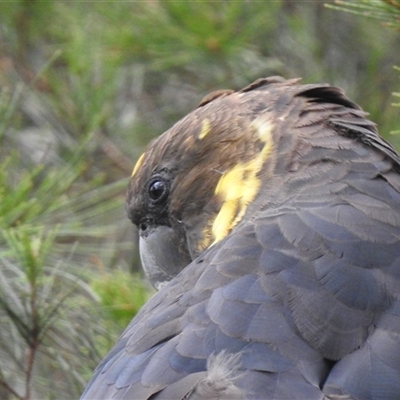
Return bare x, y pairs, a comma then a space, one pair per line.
158, 190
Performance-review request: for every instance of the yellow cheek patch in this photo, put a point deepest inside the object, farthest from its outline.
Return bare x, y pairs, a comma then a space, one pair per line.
205, 128
239, 186
138, 164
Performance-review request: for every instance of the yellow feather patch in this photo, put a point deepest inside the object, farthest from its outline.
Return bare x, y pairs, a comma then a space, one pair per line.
138, 164
240, 185
205, 128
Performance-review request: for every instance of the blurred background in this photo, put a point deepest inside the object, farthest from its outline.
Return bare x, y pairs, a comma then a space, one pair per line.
84, 86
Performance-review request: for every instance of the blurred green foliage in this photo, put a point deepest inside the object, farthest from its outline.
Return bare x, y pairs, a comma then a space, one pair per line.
83, 87
387, 11
121, 295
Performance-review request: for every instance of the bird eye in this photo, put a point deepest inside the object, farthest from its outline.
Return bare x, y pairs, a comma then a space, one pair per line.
158, 190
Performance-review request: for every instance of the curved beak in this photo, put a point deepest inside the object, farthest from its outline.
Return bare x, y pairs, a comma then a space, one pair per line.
163, 254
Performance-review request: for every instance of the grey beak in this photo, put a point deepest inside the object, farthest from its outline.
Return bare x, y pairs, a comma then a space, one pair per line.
163, 255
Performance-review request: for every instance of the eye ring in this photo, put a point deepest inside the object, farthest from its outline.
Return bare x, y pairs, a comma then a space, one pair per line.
158, 190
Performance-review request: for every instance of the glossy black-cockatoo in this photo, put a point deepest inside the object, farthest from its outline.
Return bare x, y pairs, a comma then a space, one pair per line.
269, 220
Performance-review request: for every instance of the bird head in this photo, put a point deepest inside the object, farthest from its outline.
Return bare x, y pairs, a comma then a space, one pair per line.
193, 184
